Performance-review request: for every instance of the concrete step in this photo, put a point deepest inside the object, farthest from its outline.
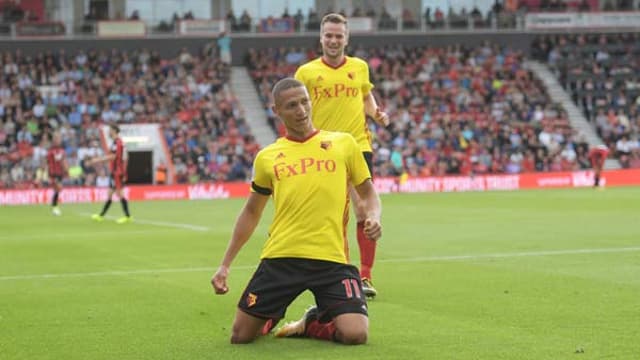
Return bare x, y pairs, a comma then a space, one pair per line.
249, 99
576, 117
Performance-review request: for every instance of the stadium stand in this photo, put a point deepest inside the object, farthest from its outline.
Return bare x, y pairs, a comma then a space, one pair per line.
76, 93
454, 110
602, 72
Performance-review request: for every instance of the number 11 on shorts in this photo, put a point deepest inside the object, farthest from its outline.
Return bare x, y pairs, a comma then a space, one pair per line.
351, 286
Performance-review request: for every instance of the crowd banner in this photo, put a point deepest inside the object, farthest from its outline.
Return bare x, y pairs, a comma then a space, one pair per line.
40, 29
277, 25
582, 20
121, 28
360, 24
384, 185
202, 27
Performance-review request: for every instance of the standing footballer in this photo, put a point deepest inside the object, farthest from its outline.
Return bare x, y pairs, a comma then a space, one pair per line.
341, 98
118, 159
57, 166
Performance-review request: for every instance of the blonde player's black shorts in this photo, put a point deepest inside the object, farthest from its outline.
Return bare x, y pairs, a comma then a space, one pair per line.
336, 287
368, 157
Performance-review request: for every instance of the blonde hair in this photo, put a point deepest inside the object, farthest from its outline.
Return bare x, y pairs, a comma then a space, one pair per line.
334, 18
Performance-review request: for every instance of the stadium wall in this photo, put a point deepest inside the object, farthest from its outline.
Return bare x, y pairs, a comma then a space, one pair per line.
170, 46
557, 180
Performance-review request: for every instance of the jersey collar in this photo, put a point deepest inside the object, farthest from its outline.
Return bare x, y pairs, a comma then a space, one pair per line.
344, 61
305, 139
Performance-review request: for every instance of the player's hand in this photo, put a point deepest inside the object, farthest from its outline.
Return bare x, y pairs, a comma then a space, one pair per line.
219, 280
381, 118
372, 229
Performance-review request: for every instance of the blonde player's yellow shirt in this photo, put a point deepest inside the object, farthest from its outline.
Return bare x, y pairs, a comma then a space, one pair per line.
308, 181
337, 96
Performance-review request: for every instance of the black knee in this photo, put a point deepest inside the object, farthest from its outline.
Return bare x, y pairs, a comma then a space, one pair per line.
238, 337
358, 337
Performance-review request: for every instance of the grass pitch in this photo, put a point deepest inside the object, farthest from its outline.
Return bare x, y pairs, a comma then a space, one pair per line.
503, 275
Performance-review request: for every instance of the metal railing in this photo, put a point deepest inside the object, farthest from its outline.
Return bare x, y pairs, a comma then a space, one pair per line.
447, 23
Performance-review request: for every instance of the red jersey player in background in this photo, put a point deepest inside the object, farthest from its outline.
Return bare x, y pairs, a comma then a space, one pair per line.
597, 156
118, 158
57, 167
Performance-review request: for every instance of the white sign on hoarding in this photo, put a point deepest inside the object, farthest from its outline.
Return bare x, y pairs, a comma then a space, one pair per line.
202, 27
542, 21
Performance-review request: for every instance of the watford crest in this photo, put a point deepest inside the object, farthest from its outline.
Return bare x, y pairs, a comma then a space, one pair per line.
251, 299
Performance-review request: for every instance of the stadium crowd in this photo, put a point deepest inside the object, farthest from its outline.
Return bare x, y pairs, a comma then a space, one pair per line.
602, 72
453, 110
75, 94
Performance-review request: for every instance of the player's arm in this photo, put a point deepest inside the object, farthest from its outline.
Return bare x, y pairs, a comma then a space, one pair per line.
101, 159
49, 162
244, 227
373, 111
65, 165
368, 194
359, 174
124, 157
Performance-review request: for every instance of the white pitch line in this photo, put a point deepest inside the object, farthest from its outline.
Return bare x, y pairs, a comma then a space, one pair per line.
401, 260
163, 223
76, 234
116, 273
512, 255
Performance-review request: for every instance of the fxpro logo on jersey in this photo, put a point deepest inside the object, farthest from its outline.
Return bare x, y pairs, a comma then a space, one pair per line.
337, 90
302, 167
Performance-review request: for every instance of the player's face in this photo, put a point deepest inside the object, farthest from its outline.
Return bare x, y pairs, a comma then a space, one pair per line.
112, 134
293, 107
334, 38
